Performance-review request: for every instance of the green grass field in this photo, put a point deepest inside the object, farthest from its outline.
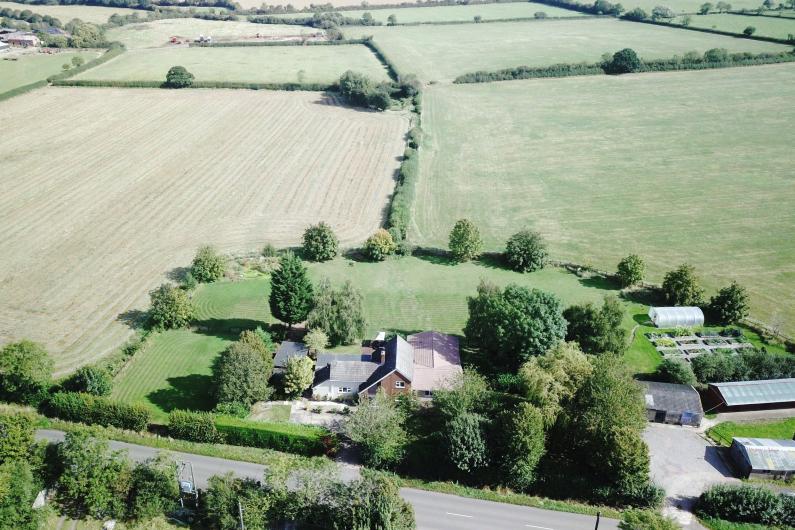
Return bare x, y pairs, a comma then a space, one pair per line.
463, 13
662, 165
65, 13
157, 33
33, 67
406, 295
261, 64
723, 433
441, 53
779, 28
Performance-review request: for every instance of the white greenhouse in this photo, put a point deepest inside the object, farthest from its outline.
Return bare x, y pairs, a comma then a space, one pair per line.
674, 317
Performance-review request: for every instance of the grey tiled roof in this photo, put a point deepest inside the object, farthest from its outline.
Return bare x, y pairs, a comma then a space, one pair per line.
343, 367
288, 350
757, 392
671, 397
398, 355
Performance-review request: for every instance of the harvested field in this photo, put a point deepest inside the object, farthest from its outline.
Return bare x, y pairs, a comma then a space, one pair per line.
157, 33
92, 216
32, 67
260, 64
677, 167
301, 4
684, 6
463, 13
778, 28
65, 13
442, 53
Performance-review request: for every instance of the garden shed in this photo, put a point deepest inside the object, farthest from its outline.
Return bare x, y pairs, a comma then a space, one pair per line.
671, 403
674, 317
764, 458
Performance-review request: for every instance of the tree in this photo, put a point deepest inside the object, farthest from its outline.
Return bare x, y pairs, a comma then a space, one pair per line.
91, 380
242, 371
630, 270
226, 497
467, 392
705, 8
597, 330
178, 77
636, 14
526, 251
154, 489
551, 380
645, 520
730, 305
514, 324
25, 372
465, 243
95, 481
380, 245
624, 61
320, 243
77, 61
680, 287
379, 98
465, 442
686, 20
16, 436
208, 266
716, 55
675, 371
748, 31
523, 447
85, 35
768, 4
377, 426
391, 20
316, 340
298, 375
291, 290
17, 491
662, 12
338, 312
722, 7
171, 307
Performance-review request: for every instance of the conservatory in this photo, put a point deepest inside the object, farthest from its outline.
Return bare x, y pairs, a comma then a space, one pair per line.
674, 317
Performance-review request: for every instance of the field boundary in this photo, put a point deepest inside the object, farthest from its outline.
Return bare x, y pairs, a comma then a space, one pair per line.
286, 87
380, 7
8, 94
243, 44
715, 31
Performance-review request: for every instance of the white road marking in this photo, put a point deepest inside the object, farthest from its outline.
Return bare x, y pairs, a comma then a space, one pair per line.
541, 527
459, 515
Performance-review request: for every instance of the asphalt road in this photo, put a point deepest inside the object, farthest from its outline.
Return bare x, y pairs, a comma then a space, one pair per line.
434, 511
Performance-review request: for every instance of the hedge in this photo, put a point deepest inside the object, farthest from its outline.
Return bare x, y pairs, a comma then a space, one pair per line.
96, 410
529, 72
287, 437
193, 426
747, 504
114, 50
241, 44
312, 87
716, 31
21, 90
400, 207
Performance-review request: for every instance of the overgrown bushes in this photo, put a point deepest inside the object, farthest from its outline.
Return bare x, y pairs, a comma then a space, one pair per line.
96, 410
753, 365
747, 504
400, 209
531, 72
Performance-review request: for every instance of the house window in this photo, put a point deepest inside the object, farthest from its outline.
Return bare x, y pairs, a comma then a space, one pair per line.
400, 384
427, 393
344, 390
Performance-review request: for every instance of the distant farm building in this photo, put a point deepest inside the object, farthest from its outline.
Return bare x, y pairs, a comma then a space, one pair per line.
675, 317
751, 395
22, 39
670, 403
764, 458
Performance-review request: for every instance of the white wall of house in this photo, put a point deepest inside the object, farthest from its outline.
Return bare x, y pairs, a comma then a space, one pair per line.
336, 389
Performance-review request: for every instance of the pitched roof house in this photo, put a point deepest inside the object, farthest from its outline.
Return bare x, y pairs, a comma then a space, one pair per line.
422, 364
287, 350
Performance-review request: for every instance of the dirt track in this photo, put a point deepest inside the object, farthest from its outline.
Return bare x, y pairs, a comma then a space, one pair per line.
115, 187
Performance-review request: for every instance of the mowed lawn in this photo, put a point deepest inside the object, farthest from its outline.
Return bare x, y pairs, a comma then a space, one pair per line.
412, 15
405, 295
65, 13
677, 167
777, 430
33, 67
442, 53
256, 64
778, 27
158, 33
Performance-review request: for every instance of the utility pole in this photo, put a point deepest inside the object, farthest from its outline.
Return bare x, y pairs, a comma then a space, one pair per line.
598, 515
240, 511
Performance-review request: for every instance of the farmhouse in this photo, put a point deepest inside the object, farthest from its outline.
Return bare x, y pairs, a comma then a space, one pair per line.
23, 39
751, 395
423, 363
670, 403
674, 317
764, 458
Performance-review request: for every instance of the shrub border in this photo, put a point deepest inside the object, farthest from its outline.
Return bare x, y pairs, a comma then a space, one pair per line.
289, 87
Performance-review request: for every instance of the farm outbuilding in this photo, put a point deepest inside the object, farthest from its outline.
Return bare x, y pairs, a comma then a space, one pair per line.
764, 458
674, 317
671, 403
751, 395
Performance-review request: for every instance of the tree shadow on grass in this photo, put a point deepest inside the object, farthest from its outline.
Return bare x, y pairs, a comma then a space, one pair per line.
435, 259
134, 318
190, 392
227, 327
642, 319
178, 274
492, 260
598, 282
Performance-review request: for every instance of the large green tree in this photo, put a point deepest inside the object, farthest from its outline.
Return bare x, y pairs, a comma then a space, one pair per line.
91, 380
597, 330
154, 488
18, 489
681, 287
16, 436
242, 371
171, 307
208, 266
675, 371
730, 305
298, 375
623, 62
320, 243
465, 242
226, 497
522, 432
630, 270
338, 312
514, 324
378, 427
465, 442
525, 251
25, 372
291, 290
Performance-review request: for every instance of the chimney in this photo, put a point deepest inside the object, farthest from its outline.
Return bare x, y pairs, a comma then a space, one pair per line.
378, 354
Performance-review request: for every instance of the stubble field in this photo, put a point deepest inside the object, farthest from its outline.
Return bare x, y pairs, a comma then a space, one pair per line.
442, 53
92, 216
253, 64
677, 167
